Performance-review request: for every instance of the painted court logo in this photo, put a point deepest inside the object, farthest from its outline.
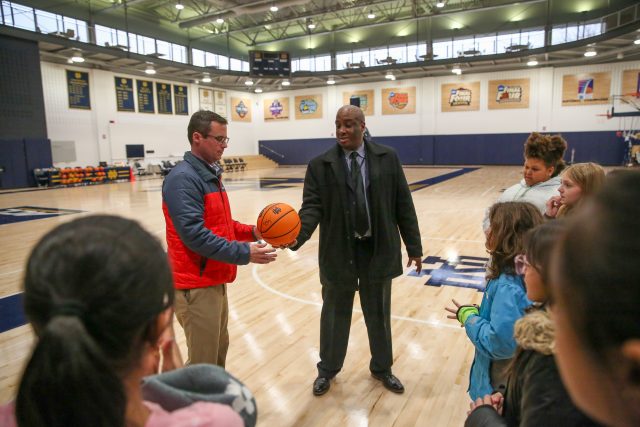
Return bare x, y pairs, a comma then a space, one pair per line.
585, 89
307, 106
460, 97
508, 94
462, 272
398, 100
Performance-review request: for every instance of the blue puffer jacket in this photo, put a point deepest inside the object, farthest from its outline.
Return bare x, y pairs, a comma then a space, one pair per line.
504, 302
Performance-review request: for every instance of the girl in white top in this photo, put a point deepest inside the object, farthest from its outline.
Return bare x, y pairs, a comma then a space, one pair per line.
542, 166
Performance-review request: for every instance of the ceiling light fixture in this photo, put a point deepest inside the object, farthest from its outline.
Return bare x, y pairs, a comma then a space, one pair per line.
390, 76
440, 4
150, 70
331, 81
179, 6
532, 62
286, 83
310, 24
591, 51
248, 82
206, 78
258, 90
456, 70
77, 56
220, 21
273, 8
637, 40
371, 15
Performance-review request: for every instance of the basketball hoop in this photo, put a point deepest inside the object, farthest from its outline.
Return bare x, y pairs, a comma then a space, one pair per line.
626, 108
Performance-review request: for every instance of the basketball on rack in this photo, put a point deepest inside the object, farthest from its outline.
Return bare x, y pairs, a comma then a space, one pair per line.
279, 224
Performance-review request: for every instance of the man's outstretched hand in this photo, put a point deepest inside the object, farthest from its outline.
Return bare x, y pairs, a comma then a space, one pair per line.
261, 254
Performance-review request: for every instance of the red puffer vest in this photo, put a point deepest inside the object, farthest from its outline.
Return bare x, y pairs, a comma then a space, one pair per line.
190, 269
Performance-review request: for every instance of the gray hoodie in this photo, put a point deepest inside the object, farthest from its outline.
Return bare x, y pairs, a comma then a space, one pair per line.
537, 195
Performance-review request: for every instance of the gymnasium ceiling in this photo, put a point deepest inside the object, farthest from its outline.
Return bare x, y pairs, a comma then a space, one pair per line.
341, 25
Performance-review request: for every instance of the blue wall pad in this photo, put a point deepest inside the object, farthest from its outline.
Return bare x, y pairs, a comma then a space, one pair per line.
11, 312
602, 147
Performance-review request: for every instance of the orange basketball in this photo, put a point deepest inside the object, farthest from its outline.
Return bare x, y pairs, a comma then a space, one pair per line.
279, 224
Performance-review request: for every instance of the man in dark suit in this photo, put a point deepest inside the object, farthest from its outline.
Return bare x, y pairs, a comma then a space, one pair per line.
359, 195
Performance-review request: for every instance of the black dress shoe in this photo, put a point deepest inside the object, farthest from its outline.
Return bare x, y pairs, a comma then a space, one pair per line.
390, 382
321, 386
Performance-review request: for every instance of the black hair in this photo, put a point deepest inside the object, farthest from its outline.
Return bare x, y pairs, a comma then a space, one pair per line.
201, 122
538, 247
93, 290
596, 273
509, 221
548, 148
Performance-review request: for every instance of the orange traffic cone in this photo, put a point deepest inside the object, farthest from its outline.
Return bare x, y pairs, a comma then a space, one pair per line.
132, 177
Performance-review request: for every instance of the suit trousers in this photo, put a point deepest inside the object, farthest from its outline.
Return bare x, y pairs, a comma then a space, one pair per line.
203, 313
335, 319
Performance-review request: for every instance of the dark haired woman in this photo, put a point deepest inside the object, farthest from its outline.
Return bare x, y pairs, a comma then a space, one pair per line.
99, 294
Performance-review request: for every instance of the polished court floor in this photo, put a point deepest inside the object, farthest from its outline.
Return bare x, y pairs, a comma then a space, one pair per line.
275, 309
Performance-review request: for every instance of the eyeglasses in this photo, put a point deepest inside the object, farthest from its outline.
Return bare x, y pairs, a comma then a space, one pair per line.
221, 139
521, 264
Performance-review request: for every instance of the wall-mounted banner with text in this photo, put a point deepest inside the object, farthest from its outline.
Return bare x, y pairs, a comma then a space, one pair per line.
586, 89
462, 96
241, 109
308, 107
145, 97
508, 94
165, 105
124, 94
399, 100
78, 90
276, 109
181, 100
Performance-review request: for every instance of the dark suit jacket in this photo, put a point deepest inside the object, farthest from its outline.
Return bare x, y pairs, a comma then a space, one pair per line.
325, 202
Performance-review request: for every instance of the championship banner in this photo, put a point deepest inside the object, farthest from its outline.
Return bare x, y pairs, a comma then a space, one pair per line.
276, 109
463, 96
206, 99
145, 97
241, 110
362, 98
586, 89
508, 94
399, 100
180, 100
308, 107
124, 94
630, 82
78, 90
165, 106
220, 102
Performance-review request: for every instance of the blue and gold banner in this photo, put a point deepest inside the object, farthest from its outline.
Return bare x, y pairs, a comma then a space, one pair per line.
124, 94
78, 90
164, 98
181, 100
145, 96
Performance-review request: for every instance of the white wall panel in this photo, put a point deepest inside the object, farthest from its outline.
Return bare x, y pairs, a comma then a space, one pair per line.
100, 134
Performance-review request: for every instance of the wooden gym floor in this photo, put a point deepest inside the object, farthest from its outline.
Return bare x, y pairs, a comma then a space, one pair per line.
275, 309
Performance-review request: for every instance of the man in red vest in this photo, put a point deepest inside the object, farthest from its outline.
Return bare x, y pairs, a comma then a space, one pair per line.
205, 244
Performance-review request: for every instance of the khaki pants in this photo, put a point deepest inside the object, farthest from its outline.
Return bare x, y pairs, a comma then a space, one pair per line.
203, 313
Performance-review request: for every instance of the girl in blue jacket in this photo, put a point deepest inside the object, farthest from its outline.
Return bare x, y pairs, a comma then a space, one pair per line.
490, 326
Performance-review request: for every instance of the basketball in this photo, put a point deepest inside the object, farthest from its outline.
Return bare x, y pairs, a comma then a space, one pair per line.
279, 224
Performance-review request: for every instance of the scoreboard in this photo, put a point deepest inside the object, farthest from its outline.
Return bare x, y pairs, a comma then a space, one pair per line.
263, 63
